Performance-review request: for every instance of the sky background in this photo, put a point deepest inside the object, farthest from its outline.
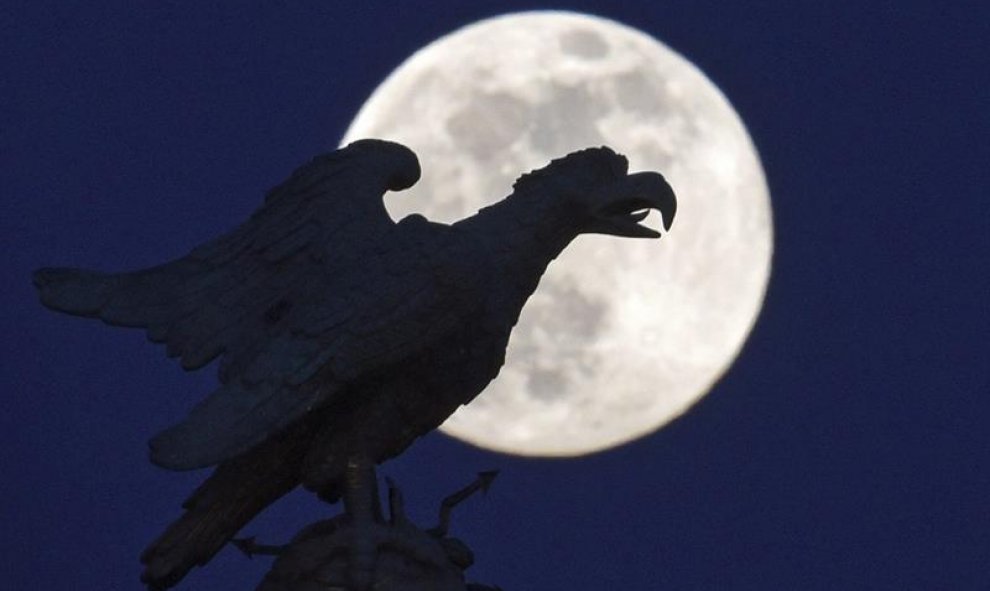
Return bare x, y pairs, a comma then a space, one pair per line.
847, 448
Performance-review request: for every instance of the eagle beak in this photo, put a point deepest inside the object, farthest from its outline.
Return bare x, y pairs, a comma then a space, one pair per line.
628, 201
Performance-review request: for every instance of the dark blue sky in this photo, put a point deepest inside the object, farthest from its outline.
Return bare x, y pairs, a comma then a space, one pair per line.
847, 449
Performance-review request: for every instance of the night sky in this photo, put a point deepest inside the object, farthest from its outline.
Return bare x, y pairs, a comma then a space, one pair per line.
848, 447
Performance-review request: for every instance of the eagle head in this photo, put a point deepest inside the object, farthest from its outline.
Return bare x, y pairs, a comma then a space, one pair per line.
396, 164
601, 196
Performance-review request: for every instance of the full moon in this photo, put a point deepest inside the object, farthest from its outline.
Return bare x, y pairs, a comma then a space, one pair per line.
622, 335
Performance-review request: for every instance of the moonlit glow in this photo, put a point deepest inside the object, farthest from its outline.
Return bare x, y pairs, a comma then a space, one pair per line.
622, 335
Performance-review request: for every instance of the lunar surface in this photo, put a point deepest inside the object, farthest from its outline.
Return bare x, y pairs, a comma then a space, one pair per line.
622, 335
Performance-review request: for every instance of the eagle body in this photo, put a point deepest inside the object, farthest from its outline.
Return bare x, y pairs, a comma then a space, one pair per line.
341, 333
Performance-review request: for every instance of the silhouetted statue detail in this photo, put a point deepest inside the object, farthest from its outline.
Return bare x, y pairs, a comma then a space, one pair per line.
360, 549
341, 333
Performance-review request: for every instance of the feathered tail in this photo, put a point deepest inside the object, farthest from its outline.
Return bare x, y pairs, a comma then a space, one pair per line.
237, 490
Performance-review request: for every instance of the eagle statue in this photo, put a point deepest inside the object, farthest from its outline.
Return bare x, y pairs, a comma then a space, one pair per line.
341, 333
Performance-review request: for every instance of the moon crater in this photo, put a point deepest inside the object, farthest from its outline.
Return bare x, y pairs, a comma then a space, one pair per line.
584, 44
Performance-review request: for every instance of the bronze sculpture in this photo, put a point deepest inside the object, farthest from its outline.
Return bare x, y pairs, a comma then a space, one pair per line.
343, 335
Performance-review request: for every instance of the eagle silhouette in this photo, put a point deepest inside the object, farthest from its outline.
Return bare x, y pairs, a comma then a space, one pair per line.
339, 331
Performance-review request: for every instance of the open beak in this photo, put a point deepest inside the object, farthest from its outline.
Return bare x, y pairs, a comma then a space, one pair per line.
627, 202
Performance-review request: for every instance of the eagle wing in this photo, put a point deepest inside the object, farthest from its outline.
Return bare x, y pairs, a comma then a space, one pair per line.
319, 280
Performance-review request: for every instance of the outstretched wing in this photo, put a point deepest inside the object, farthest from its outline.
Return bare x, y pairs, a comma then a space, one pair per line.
319, 278
321, 220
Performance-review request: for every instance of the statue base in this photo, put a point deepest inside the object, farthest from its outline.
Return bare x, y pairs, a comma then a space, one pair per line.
361, 550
